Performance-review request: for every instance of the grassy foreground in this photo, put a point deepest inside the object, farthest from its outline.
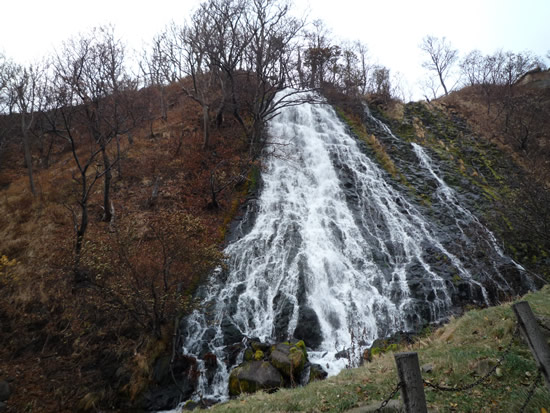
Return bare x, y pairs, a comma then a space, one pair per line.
459, 353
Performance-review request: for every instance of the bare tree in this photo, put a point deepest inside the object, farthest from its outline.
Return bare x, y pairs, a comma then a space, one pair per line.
91, 87
92, 67
319, 53
270, 58
364, 67
155, 66
441, 57
473, 67
7, 99
84, 151
26, 84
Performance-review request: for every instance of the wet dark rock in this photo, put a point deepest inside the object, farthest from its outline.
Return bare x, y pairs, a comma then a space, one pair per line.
211, 365
258, 345
308, 328
282, 319
209, 334
5, 390
175, 381
232, 352
344, 354
231, 333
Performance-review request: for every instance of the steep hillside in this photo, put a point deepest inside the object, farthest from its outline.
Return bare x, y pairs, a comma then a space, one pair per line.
91, 344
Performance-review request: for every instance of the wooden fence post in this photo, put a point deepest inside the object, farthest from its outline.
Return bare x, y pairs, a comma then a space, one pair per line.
534, 337
412, 386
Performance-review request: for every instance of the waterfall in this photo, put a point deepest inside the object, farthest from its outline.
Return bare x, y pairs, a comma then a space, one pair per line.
338, 254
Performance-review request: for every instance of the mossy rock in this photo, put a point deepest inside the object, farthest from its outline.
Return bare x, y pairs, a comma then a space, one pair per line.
289, 358
258, 355
252, 376
317, 373
248, 355
258, 345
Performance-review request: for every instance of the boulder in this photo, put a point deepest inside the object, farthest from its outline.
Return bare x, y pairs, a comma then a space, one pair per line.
252, 376
289, 358
316, 372
258, 345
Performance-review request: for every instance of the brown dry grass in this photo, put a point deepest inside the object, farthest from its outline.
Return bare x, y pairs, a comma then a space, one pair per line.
65, 349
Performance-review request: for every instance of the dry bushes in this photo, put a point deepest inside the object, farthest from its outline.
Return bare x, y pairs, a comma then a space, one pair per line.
148, 269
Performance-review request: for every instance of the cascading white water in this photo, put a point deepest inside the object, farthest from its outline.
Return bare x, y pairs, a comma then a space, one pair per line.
334, 246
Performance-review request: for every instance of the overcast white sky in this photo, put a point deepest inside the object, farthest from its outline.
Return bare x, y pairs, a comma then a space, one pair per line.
392, 29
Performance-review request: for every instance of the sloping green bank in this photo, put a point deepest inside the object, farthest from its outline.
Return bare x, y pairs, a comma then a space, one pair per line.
459, 353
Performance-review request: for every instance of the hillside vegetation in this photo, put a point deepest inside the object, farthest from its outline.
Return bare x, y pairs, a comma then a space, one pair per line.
117, 190
70, 345
92, 343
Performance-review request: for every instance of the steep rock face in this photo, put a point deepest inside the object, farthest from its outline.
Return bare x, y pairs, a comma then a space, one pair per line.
460, 190
537, 78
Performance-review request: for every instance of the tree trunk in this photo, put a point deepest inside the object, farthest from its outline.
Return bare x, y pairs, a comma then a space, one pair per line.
163, 105
106, 186
219, 115
118, 160
206, 126
80, 232
443, 84
27, 152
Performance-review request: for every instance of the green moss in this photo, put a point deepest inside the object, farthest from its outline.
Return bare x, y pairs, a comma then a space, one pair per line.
248, 355
456, 279
379, 151
392, 347
259, 355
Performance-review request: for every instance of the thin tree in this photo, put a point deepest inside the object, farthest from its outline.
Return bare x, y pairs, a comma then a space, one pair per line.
26, 86
92, 67
441, 57
8, 71
187, 49
90, 86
